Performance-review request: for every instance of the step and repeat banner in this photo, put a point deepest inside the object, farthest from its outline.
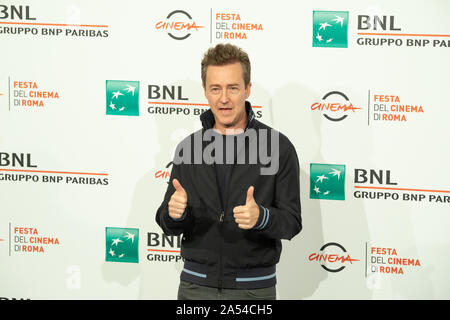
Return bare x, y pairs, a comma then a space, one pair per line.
95, 96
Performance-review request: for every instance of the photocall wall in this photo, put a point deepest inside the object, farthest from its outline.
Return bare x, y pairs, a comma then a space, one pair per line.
95, 96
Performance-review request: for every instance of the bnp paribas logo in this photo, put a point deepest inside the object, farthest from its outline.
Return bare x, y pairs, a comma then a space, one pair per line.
122, 98
330, 29
122, 245
327, 181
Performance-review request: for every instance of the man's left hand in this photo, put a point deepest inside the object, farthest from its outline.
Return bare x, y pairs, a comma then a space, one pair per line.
247, 215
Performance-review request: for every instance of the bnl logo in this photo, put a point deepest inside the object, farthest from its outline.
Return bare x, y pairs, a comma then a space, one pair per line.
122, 245
330, 29
327, 181
122, 98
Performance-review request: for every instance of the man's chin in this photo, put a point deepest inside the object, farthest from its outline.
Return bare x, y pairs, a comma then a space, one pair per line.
226, 121
227, 124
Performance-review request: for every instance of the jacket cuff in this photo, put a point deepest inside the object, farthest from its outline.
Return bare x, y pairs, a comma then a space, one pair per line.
180, 218
171, 220
263, 220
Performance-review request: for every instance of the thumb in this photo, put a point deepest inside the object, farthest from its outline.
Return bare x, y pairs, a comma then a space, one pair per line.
250, 194
177, 186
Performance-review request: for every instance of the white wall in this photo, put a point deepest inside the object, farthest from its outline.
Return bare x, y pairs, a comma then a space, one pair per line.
72, 137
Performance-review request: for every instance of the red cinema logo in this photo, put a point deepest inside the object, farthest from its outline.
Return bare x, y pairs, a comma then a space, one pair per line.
330, 259
179, 25
335, 106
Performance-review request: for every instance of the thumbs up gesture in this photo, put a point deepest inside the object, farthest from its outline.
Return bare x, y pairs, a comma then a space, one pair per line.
178, 201
247, 215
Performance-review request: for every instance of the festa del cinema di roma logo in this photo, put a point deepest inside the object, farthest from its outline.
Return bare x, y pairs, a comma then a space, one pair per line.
122, 98
122, 244
330, 29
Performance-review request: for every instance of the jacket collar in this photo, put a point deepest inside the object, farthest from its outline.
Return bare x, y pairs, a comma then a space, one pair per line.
207, 117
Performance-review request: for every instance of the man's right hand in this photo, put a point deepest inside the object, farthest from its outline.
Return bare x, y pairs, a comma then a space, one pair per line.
178, 201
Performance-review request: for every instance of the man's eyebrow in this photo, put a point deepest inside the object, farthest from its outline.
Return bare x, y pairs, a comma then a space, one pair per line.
218, 85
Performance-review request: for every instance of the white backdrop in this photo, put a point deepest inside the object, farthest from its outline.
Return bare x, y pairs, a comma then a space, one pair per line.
71, 166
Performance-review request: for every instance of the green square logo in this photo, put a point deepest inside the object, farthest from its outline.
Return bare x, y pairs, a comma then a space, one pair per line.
122, 245
122, 98
330, 29
327, 181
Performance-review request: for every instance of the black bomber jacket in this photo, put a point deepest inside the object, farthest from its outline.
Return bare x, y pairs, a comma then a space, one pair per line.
217, 252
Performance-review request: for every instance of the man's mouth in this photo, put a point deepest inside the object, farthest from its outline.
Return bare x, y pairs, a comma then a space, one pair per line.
225, 111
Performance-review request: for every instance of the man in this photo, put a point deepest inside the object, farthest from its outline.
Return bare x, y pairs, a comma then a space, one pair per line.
232, 210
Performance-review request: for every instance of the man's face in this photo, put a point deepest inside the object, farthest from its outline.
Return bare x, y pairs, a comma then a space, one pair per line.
226, 94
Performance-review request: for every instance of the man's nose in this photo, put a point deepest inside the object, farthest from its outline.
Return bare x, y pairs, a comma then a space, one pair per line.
224, 97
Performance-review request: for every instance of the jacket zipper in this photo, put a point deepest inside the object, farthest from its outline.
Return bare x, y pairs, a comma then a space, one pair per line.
221, 218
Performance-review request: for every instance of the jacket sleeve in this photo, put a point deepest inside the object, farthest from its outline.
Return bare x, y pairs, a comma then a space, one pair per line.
169, 225
282, 220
